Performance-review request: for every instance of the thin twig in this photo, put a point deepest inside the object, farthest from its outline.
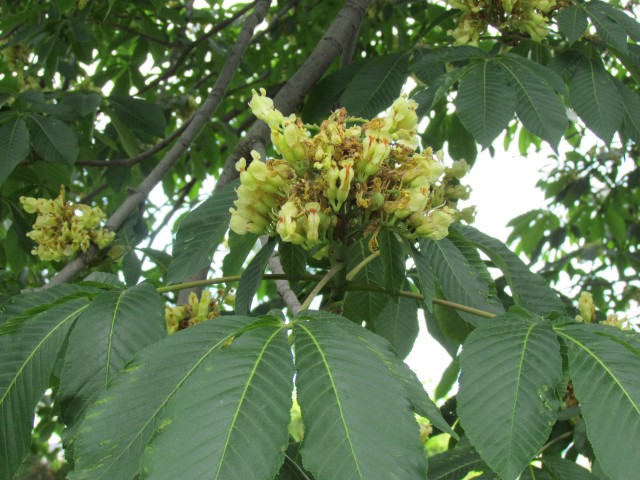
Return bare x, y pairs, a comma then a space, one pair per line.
329, 275
228, 279
200, 118
354, 271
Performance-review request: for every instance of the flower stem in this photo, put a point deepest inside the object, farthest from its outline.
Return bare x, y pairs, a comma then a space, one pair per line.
351, 275
329, 275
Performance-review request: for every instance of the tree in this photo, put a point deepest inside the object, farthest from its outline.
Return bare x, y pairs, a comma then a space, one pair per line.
122, 348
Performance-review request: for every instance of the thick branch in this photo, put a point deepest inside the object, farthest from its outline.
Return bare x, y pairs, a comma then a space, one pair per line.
173, 155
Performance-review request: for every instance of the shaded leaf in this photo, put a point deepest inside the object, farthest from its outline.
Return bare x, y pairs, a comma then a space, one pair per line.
398, 323
631, 106
26, 361
234, 410
293, 259
376, 85
564, 469
506, 403
607, 27
252, 277
455, 464
138, 114
426, 280
595, 98
120, 423
572, 22
347, 397
200, 233
393, 258
486, 102
14, 146
53, 139
239, 248
603, 364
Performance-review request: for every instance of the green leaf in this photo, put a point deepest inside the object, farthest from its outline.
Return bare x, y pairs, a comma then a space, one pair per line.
108, 333
607, 27
239, 248
463, 146
200, 233
631, 106
426, 280
376, 85
628, 23
459, 280
119, 425
293, 259
455, 464
414, 389
529, 290
252, 277
398, 323
563, 469
438, 89
26, 361
161, 258
234, 411
506, 403
363, 306
53, 139
596, 99
138, 114
538, 107
347, 397
14, 146
604, 364
452, 326
486, 101
131, 268
393, 256
572, 22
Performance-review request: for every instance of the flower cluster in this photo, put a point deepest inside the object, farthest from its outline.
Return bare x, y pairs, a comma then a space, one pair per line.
352, 175
195, 311
62, 228
530, 17
588, 313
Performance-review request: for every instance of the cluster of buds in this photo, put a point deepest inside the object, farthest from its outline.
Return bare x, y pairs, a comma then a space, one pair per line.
62, 228
530, 17
352, 175
588, 313
193, 312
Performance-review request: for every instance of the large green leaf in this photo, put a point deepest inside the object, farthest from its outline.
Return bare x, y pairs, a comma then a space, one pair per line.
506, 403
393, 256
414, 389
538, 107
363, 306
459, 280
53, 139
455, 464
486, 101
109, 332
376, 85
607, 26
528, 289
200, 233
358, 421
604, 364
572, 22
252, 277
26, 361
138, 114
398, 323
119, 425
595, 98
233, 413
14, 146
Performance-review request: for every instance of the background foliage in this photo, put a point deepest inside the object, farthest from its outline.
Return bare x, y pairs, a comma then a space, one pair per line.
113, 98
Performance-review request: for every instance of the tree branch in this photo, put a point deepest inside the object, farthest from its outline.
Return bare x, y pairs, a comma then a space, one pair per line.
200, 118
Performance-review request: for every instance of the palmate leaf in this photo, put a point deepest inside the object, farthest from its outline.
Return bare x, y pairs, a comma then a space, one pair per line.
14, 146
486, 101
230, 420
413, 388
506, 403
348, 398
53, 139
110, 331
459, 280
119, 425
359, 305
200, 233
252, 276
529, 290
26, 361
604, 364
376, 85
595, 98
398, 323
538, 107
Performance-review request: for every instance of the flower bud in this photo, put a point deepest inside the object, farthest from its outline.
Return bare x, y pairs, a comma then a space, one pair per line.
262, 107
